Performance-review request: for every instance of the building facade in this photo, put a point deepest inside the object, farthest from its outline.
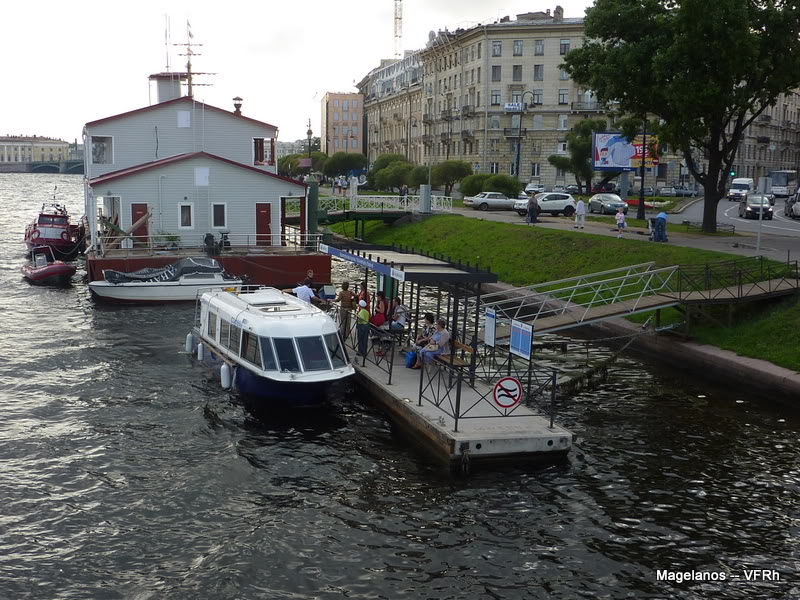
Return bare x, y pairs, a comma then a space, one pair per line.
341, 122
496, 97
17, 149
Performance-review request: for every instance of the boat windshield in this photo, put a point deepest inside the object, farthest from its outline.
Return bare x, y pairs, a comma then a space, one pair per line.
336, 350
52, 220
287, 358
313, 353
267, 355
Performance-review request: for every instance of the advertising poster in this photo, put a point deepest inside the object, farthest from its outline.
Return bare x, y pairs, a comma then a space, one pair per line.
611, 151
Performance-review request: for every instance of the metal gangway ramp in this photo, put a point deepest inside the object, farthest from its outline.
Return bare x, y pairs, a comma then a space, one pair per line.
584, 299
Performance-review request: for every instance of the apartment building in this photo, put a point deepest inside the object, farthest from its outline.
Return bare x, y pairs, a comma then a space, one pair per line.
32, 149
342, 129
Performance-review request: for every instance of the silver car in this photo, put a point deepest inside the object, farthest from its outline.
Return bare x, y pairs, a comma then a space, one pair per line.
607, 204
490, 200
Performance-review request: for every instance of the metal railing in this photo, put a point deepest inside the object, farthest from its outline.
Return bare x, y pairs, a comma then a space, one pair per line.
733, 280
328, 203
408, 203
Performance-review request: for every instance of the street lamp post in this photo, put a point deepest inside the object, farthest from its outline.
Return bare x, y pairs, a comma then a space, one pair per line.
640, 210
519, 128
309, 133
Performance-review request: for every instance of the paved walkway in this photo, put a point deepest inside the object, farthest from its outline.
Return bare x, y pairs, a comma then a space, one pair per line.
772, 246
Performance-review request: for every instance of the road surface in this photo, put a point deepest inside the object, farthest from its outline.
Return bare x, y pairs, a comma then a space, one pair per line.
728, 213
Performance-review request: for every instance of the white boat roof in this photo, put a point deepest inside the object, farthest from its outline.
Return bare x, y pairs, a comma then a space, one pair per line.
269, 312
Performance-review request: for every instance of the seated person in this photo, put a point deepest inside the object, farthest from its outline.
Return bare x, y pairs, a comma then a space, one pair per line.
399, 315
428, 327
441, 337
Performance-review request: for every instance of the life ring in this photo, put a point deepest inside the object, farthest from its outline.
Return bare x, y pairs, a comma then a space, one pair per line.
64, 236
35, 234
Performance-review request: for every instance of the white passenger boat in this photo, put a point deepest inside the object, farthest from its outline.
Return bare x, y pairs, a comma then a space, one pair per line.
179, 282
270, 345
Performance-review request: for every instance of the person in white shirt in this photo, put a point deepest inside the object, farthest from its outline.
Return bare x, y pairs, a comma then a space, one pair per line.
399, 315
580, 213
304, 291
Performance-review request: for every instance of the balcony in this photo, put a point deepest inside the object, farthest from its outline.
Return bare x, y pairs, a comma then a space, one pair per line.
445, 137
514, 131
427, 118
468, 110
467, 134
403, 140
397, 116
588, 106
427, 138
447, 114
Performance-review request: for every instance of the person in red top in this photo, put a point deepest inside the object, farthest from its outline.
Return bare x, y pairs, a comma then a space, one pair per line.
363, 294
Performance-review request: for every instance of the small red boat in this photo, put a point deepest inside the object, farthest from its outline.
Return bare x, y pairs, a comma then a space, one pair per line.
50, 273
52, 229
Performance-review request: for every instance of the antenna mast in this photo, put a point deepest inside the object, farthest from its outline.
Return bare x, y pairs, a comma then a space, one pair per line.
189, 54
398, 28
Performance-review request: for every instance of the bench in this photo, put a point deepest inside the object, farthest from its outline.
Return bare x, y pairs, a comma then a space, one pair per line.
456, 361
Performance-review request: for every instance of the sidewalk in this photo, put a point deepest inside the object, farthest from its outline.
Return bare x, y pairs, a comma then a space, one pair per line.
743, 244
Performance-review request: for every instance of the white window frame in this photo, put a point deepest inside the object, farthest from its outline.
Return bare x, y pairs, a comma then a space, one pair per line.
536, 169
538, 47
225, 225
191, 215
91, 153
563, 122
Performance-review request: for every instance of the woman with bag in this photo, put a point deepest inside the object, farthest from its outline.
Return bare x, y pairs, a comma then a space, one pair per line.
439, 344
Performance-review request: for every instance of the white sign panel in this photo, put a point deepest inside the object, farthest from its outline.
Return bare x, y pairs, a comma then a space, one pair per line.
201, 176
521, 339
513, 106
489, 327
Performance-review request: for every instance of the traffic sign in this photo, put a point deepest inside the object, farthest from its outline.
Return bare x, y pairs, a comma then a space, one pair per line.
507, 392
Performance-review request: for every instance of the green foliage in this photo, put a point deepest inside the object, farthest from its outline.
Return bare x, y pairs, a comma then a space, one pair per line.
384, 160
417, 176
393, 176
288, 165
578, 161
510, 186
342, 163
472, 185
706, 70
450, 172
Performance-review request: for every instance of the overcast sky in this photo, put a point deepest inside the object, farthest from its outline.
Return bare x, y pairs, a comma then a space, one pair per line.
66, 63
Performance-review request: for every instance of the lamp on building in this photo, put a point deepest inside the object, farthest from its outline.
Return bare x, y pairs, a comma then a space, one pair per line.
237, 105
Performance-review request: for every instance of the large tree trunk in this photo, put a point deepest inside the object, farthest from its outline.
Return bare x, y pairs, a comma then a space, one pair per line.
712, 192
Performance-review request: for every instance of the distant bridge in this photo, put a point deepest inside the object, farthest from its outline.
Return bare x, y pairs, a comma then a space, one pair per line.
47, 166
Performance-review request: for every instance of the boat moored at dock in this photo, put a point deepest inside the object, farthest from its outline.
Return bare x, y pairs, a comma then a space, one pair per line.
270, 345
52, 229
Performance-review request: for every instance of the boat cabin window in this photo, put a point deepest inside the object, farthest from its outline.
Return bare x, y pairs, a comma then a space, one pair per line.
250, 348
199, 276
287, 358
236, 336
312, 351
211, 326
224, 332
336, 350
52, 220
267, 355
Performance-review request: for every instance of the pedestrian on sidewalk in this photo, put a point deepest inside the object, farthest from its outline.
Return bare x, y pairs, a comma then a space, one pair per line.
580, 213
620, 219
533, 210
661, 227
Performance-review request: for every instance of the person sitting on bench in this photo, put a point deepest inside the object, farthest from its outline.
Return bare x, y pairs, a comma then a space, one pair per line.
439, 344
399, 315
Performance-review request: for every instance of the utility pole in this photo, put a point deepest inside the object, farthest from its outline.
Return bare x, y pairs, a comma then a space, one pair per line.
640, 210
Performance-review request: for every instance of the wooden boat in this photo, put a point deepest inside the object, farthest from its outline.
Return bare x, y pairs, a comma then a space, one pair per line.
41, 271
270, 345
179, 282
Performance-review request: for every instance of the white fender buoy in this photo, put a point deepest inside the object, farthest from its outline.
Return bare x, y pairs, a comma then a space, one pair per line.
225, 376
200, 351
189, 342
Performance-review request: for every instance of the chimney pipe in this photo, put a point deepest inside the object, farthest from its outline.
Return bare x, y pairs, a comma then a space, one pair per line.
237, 105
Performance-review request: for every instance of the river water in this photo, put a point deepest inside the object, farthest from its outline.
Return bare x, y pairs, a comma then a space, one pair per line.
128, 473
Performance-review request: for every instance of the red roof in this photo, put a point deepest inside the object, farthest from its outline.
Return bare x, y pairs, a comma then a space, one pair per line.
180, 157
175, 101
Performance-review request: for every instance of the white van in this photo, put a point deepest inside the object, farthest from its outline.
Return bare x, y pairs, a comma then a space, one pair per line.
740, 187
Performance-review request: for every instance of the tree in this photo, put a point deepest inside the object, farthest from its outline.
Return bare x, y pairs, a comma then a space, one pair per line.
706, 70
288, 165
510, 186
417, 176
384, 160
394, 175
342, 163
578, 161
450, 172
472, 185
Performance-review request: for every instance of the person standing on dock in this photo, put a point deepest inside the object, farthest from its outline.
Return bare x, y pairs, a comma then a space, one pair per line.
362, 327
363, 294
345, 299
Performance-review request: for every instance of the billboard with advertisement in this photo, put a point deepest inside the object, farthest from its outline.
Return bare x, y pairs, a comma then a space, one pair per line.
611, 151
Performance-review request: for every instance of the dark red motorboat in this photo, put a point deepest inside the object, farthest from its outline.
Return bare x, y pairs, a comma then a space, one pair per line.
52, 229
48, 273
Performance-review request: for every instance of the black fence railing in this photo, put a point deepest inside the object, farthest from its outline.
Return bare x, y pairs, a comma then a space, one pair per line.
732, 280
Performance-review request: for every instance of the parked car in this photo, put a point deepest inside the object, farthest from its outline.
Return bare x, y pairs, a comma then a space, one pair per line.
602, 188
607, 204
550, 202
573, 189
792, 207
534, 188
648, 191
522, 196
684, 192
751, 205
666, 191
489, 200
559, 188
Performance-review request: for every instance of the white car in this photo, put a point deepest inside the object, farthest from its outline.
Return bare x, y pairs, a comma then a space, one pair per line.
559, 188
490, 200
534, 188
550, 202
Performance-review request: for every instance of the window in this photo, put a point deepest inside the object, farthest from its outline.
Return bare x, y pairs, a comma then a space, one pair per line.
353, 143
479, 74
312, 351
538, 47
538, 72
346, 116
538, 122
562, 96
102, 150
354, 104
354, 116
497, 48
517, 48
336, 103
219, 216
477, 99
494, 122
267, 355
479, 53
537, 96
186, 216
535, 170
287, 358
336, 116
250, 348
560, 173
496, 73
262, 152
224, 332
561, 147
345, 105
336, 350
495, 97
562, 121
355, 129
494, 168
563, 47
516, 96
236, 338
184, 119
563, 75
211, 326
516, 73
